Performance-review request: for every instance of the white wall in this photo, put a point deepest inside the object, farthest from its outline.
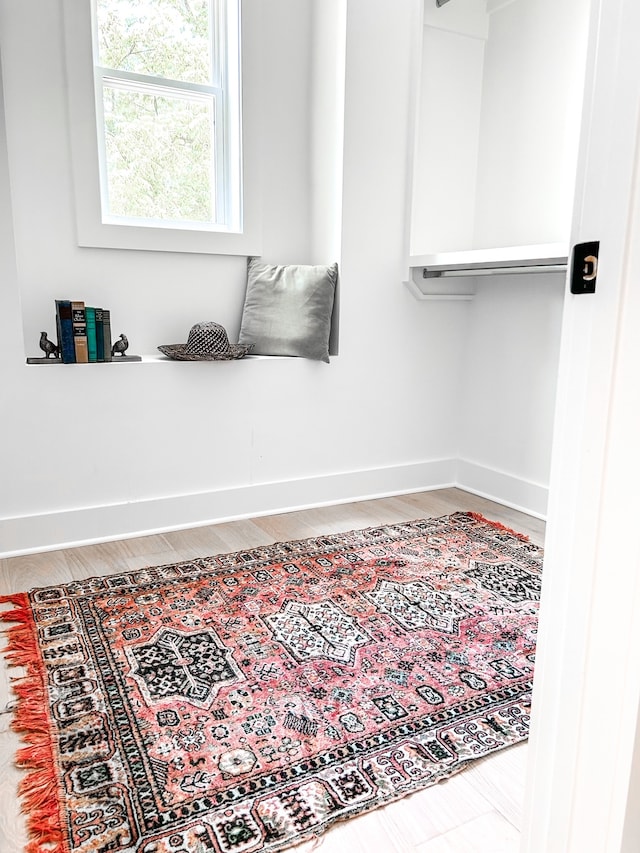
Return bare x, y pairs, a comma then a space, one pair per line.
326, 144
445, 169
10, 325
326, 104
531, 105
500, 105
530, 120
104, 450
507, 397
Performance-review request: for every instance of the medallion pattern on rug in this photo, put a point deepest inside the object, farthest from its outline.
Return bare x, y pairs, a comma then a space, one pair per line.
244, 702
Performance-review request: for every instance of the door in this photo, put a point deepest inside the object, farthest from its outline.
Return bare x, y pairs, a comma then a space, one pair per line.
583, 758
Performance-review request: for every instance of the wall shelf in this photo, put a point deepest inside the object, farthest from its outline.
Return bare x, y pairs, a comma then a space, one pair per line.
116, 360
451, 275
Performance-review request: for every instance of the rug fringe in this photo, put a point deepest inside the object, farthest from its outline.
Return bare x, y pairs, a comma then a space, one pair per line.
38, 789
479, 517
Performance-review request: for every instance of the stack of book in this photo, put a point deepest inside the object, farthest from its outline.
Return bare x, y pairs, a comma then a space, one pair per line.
84, 333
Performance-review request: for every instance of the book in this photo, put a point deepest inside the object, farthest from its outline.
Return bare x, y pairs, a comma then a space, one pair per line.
64, 325
92, 346
79, 332
106, 333
99, 334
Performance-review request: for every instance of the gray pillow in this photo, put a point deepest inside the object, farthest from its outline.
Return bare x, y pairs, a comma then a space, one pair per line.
287, 309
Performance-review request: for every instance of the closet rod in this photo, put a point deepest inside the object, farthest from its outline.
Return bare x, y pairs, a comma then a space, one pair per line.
455, 273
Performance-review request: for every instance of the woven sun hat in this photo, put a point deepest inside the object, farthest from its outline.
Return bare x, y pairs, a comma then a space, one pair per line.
206, 342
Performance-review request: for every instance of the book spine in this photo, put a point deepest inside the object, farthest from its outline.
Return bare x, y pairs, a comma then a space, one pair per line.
58, 332
106, 333
80, 332
100, 334
65, 331
92, 346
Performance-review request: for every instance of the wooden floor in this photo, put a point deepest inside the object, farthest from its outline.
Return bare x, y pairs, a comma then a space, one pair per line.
477, 811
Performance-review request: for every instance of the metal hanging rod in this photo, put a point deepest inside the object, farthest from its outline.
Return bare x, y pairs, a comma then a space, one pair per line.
455, 273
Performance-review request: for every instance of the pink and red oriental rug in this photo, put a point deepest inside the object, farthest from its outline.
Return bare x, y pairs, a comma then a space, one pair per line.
245, 702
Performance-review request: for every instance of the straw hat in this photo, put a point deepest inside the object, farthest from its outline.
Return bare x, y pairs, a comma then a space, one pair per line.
206, 342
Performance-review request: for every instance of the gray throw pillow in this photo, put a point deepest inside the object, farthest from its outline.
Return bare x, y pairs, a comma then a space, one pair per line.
287, 309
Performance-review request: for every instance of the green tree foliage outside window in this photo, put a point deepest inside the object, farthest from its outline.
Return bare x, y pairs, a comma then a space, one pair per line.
161, 90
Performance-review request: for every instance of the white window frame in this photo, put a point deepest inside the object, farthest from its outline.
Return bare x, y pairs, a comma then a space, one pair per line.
242, 236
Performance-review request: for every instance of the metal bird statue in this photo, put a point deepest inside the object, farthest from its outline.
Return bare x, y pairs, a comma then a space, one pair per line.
48, 347
121, 346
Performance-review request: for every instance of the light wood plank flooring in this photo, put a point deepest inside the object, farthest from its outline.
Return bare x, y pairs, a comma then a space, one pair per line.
477, 811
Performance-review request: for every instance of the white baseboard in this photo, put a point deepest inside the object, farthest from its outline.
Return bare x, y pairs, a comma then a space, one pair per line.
69, 528
90, 525
503, 488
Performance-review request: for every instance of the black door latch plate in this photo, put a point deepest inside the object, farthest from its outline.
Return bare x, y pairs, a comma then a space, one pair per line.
584, 267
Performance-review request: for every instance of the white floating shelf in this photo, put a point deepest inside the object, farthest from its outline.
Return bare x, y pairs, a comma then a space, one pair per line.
429, 271
475, 261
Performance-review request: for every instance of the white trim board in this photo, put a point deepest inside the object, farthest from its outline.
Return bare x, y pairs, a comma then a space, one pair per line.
90, 525
515, 492
73, 527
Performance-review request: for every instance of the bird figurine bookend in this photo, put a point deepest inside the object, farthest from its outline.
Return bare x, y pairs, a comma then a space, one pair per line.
52, 353
120, 347
48, 347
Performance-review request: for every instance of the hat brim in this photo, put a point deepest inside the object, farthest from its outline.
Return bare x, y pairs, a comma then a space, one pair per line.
178, 352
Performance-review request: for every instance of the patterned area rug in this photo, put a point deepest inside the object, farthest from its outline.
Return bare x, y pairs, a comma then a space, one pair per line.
245, 702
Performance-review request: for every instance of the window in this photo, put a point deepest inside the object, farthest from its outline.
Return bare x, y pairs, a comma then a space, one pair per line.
156, 136
166, 74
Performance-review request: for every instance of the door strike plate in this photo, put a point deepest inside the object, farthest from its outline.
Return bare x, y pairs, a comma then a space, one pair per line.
584, 267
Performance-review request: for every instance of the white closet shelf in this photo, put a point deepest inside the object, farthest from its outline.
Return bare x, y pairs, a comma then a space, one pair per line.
428, 272
488, 261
